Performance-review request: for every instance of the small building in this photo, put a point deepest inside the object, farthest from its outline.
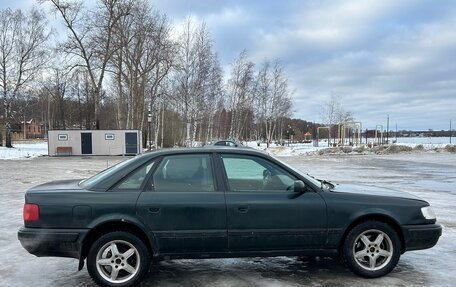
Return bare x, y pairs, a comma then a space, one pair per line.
307, 137
94, 142
34, 129
20, 130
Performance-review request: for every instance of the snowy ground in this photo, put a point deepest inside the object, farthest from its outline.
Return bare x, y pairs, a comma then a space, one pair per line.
24, 150
35, 149
295, 149
431, 176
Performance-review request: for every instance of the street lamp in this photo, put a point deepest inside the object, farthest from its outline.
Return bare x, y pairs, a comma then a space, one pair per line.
149, 121
157, 120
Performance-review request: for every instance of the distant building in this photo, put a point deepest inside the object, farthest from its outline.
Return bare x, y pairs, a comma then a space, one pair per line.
94, 142
34, 129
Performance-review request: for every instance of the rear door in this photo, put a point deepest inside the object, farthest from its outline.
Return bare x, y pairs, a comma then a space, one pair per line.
263, 212
184, 207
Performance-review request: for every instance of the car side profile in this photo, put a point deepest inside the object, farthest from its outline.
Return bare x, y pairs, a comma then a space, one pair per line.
218, 202
229, 143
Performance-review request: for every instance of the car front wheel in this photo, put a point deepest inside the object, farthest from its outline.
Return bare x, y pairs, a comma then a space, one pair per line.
372, 249
118, 259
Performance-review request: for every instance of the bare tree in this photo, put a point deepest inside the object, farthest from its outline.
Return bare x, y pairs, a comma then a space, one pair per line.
240, 93
23, 49
192, 76
142, 60
90, 39
56, 89
214, 98
333, 113
273, 98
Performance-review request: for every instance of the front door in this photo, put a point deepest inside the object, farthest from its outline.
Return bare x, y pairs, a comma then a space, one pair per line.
86, 143
185, 210
131, 143
263, 212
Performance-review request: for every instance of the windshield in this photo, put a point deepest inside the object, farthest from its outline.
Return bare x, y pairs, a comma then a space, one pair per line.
92, 181
306, 176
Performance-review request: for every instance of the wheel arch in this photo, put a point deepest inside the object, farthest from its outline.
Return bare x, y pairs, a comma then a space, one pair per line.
110, 226
375, 217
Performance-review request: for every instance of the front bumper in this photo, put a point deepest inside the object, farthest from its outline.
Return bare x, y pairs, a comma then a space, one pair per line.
421, 236
52, 242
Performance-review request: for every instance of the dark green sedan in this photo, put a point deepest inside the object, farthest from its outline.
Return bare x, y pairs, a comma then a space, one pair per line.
218, 202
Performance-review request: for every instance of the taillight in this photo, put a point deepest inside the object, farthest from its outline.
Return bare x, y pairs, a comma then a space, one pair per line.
31, 212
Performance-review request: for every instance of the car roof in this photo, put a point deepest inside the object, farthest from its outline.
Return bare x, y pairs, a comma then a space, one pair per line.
206, 149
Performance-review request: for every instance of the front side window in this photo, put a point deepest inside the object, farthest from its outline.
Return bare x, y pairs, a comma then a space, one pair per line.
184, 173
249, 173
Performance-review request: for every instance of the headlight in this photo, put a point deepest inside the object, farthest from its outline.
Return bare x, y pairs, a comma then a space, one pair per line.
427, 212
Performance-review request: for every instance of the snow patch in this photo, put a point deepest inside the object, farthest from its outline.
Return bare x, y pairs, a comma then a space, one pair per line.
24, 151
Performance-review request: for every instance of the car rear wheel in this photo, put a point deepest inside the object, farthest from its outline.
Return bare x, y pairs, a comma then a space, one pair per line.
372, 249
118, 259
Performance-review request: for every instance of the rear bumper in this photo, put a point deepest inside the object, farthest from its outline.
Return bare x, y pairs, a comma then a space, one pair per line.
421, 236
52, 242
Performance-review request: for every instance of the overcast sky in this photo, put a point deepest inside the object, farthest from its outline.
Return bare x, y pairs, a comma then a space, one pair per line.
378, 57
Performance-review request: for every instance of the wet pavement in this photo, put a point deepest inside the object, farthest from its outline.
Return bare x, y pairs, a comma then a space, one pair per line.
431, 176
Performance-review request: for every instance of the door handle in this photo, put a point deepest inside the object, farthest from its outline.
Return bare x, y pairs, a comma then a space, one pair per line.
154, 209
243, 209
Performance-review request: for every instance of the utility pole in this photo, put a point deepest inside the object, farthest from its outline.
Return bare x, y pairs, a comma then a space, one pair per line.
450, 132
387, 128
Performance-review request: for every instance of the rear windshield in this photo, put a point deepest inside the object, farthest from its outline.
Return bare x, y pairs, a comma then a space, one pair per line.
93, 181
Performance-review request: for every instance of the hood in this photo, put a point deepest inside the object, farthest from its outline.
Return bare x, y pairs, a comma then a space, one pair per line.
373, 190
59, 185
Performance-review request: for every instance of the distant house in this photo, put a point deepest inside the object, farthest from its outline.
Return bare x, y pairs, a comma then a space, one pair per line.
34, 129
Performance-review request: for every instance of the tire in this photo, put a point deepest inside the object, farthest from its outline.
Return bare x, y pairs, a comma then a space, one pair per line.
118, 259
371, 249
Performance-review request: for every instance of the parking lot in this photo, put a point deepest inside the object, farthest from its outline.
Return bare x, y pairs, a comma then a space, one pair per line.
429, 175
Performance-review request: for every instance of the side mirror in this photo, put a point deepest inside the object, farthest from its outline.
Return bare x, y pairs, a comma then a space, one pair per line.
299, 187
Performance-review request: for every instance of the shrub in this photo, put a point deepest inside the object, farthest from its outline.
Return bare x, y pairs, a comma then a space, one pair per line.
419, 147
450, 148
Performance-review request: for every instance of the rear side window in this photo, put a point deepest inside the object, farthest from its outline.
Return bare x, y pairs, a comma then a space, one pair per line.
134, 180
184, 173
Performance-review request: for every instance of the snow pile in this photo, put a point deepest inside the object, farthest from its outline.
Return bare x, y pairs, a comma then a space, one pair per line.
450, 148
392, 149
21, 151
428, 143
301, 149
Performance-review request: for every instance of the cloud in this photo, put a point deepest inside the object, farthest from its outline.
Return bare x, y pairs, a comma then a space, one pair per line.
378, 58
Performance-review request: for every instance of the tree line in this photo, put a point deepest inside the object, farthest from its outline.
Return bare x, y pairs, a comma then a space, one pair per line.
122, 64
